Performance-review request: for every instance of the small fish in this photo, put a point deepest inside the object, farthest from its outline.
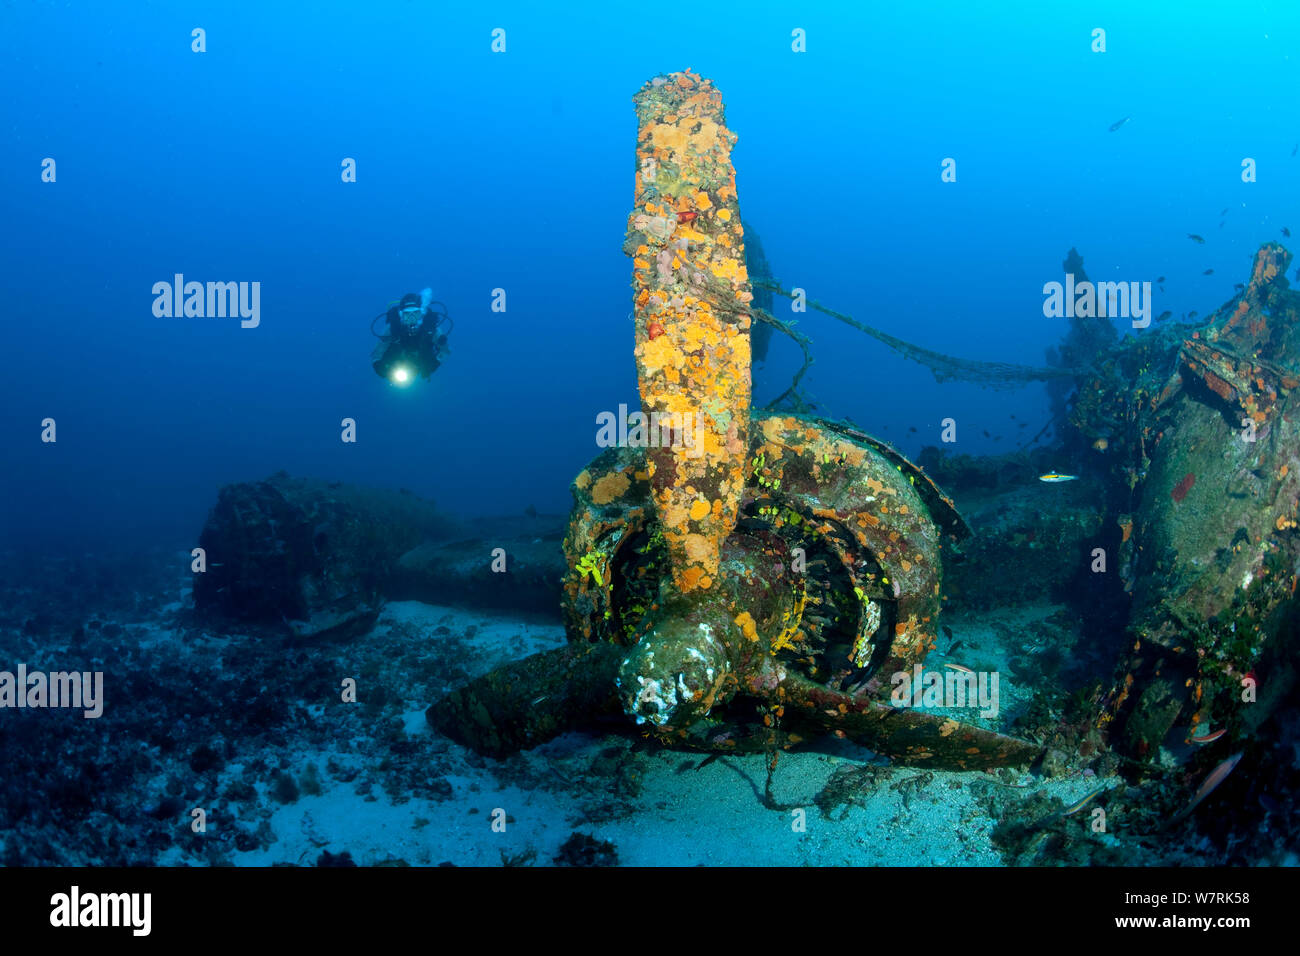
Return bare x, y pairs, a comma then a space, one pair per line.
1208, 272
1294, 148
1163, 315
1193, 314
1239, 287
1101, 444
947, 631
912, 429
987, 435
958, 667
1195, 238
1220, 225
1115, 126
1286, 232
1053, 477
1214, 778
1013, 418
1161, 279
1223, 212
1022, 424
1209, 738
1161, 288
1082, 803
956, 644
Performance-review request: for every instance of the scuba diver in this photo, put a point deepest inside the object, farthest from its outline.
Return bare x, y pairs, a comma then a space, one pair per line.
415, 343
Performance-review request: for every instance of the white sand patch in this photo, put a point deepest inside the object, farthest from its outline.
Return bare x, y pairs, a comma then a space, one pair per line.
713, 815
419, 832
497, 640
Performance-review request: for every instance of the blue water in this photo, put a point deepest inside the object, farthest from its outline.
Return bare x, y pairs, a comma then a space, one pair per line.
479, 171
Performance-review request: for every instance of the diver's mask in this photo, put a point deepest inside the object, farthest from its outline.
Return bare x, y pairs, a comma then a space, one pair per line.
410, 316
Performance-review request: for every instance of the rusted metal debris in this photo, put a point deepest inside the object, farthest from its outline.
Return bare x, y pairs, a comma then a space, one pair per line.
320, 559
1209, 446
316, 557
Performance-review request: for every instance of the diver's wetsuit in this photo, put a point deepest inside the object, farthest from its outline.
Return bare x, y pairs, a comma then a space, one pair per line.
421, 345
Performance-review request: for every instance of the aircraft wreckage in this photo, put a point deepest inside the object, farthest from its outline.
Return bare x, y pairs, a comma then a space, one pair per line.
750, 580
746, 581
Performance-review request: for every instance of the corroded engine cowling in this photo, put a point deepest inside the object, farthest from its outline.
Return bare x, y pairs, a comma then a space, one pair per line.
829, 584
849, 554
